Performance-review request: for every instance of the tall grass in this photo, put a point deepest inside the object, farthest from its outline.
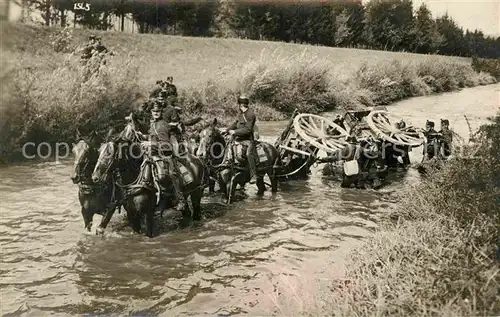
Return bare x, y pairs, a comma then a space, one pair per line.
491, 66
438, 256
48, 97
44, 104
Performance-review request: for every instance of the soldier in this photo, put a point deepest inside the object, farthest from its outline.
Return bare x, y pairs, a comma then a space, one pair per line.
158, 89
243, 131
170, 87
446, 137
88, 49
99, 48
160, 142
432, 140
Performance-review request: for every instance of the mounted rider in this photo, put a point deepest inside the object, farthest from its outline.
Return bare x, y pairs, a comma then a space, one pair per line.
243, 132
94, 48
87, 50
174, 114
163, 153
157, 90
446, 137
170, 87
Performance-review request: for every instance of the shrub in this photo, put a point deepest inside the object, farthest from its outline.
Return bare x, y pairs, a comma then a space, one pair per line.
49, 96
491, 66
43, 107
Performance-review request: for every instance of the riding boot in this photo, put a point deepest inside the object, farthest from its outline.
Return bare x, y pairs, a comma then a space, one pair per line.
252, 164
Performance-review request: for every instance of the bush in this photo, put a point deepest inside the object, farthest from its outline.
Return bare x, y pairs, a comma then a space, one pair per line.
439, 259
491, 66
47, 96
51, 107
396, 80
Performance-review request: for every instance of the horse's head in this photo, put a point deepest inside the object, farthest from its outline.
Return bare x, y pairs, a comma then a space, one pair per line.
212, 142
129, 141
105, 162
85, 158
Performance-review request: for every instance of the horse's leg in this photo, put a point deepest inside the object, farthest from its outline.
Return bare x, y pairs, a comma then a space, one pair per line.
211, 185
225, 177
260, 185
273, 179
196, 202
231, 187
106, 218
145, 204
186, 213
133, 216
87, 218
150, 222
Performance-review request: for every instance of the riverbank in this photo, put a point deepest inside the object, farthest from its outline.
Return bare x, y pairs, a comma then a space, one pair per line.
438, 253
47, 97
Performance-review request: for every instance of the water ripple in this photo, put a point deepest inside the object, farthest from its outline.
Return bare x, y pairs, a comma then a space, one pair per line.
243, 259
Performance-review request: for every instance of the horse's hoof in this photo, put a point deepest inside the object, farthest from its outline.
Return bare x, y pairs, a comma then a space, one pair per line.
99, 231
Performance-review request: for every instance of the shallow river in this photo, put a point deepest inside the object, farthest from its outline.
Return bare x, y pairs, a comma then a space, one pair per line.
261, 256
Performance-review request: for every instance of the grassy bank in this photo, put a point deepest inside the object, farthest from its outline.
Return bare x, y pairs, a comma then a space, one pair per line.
437, 255
45, 96
491, 66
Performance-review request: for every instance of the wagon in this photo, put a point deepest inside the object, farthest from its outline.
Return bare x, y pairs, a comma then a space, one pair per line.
308, 134
301, 141
398, 138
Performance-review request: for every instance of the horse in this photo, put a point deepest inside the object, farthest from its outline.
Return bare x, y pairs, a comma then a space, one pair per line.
137, 180
232, 169
210, 139
94, 199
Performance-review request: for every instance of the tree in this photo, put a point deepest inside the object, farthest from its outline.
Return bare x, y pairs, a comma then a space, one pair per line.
453, 35
342, 30
388, 23
224, 19
427, 37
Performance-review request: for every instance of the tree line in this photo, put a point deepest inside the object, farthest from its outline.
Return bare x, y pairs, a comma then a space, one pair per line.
393, 25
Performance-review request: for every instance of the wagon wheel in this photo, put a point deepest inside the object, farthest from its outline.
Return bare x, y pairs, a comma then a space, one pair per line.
383, 124
319, 132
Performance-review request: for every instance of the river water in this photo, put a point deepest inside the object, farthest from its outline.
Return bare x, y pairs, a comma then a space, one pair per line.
274, 255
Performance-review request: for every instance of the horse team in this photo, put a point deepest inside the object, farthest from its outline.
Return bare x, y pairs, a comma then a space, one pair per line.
120, 175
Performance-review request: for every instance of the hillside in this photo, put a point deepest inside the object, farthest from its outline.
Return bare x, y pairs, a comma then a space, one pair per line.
46, 95
193, 61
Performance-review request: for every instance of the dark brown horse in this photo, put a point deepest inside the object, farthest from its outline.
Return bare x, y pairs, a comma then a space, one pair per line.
136, 179
230, 168
94, 199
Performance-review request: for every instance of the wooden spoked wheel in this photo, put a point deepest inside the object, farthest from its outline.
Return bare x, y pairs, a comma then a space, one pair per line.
383, 125
320, 132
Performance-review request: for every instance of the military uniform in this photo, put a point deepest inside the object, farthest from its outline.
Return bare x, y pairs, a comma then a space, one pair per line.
160, 133
171, 115
432, 138
446, 138
156, 92
243, 132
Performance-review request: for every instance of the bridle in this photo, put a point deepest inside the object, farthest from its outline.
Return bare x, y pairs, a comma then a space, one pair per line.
208, 144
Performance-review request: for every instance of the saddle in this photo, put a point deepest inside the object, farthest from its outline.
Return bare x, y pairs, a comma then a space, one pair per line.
161, 169
240, 153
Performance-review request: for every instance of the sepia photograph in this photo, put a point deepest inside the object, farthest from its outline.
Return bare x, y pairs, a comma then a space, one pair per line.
258, 158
